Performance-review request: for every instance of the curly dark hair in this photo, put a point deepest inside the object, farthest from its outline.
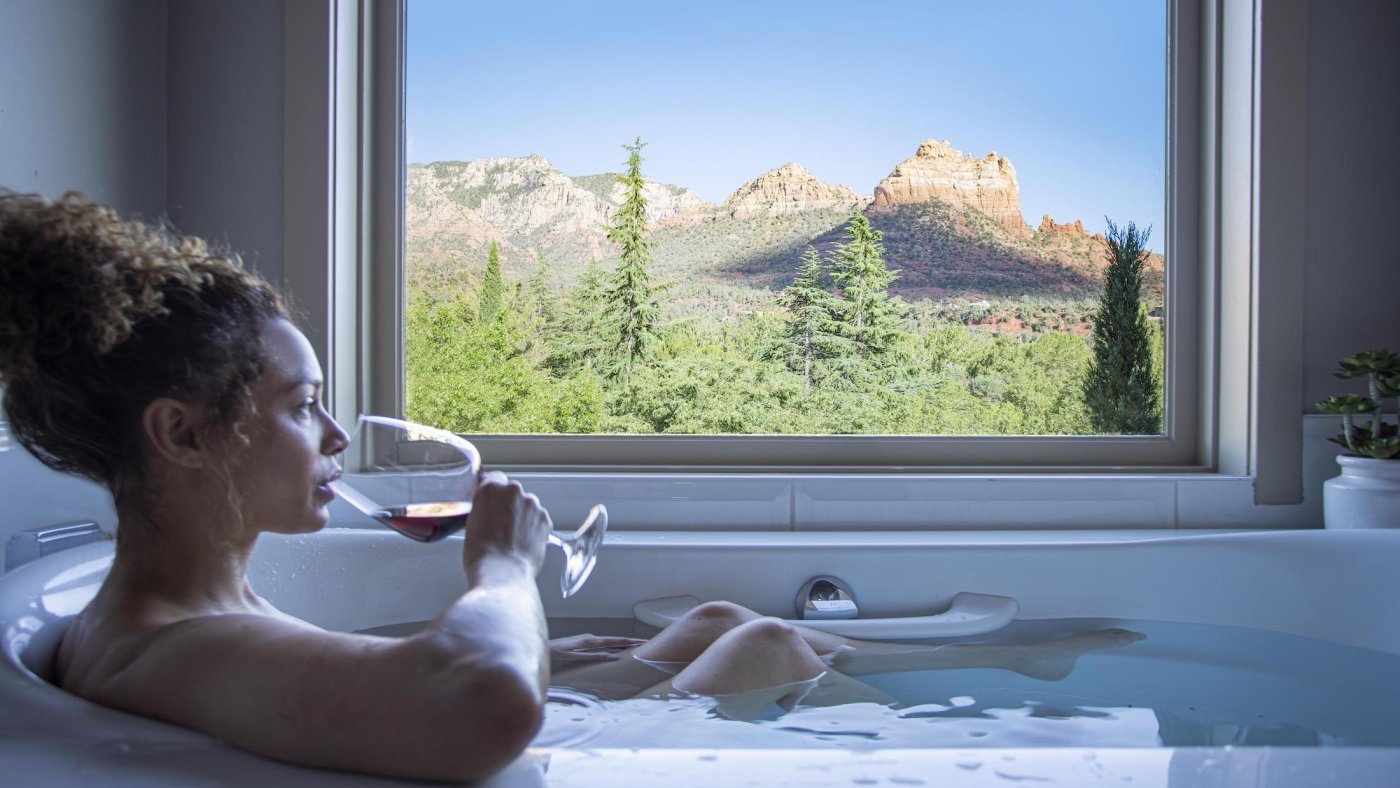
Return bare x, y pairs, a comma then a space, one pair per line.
100, 316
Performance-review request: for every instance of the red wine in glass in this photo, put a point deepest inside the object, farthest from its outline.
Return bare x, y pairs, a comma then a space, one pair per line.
426, 522
419, 481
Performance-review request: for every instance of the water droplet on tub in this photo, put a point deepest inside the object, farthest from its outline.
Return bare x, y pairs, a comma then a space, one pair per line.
968, 765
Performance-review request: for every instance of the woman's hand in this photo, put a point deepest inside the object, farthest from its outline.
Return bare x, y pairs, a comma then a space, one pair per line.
589, 648
505, 521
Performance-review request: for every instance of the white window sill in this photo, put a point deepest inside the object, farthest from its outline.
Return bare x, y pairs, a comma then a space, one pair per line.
928, 502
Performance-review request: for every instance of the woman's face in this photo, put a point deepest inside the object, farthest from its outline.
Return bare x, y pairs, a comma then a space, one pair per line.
281, 474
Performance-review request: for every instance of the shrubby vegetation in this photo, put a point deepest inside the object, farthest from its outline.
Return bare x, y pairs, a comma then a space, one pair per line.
528, 373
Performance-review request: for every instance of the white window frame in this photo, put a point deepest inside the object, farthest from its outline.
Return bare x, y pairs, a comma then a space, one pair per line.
1236, 115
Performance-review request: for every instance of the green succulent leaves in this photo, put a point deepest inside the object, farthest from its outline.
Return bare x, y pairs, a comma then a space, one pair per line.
1369, 362
1384, 449
1378, 439
1389, 386
1346, 404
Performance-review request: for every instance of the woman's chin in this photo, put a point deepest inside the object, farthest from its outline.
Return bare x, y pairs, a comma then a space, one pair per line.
317, 520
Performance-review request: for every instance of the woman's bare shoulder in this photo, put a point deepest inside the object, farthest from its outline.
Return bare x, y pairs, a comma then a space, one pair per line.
107, 646
286, 689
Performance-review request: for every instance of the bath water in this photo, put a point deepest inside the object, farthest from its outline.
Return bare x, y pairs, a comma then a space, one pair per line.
1183, 685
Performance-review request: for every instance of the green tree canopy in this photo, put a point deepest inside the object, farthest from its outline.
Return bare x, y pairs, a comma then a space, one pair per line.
812, 331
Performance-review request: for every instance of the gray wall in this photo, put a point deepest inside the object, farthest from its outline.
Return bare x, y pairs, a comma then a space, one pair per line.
1353, 174
224, 76
82, 100
82, 106
157, 107
159, 110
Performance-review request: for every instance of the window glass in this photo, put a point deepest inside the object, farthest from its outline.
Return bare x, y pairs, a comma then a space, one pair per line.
786, 218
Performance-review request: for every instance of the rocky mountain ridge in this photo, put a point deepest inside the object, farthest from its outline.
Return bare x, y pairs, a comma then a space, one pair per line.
524, 203
790, 189
953, 225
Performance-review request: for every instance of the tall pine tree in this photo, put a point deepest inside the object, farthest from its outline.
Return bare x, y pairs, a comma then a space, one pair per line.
632, 307
812, 331
492, 287
870, 318
1120, 387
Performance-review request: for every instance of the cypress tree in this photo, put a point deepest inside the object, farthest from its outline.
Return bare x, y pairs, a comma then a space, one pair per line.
811, 334
492, 287
632, 306
1120, 387
869, 316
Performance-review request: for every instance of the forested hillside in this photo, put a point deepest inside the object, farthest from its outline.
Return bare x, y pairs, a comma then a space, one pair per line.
794, 307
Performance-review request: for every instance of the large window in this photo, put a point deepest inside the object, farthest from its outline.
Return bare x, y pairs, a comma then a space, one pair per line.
1230, 237
1227, 232
789, 221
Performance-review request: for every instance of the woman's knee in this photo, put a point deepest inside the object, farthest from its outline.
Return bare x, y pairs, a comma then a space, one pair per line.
768, 649
719, 614
768, 633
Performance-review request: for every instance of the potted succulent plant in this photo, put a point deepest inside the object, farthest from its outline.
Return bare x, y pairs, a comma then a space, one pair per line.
1367, 493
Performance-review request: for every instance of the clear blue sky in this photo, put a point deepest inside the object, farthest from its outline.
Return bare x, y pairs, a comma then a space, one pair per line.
1072, 91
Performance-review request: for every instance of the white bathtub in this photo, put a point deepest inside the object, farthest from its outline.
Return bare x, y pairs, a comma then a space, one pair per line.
1336, 586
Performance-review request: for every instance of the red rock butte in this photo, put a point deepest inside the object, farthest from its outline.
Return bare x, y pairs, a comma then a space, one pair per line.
938, 171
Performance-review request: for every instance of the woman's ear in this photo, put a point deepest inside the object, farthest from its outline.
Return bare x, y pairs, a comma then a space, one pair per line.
173, 429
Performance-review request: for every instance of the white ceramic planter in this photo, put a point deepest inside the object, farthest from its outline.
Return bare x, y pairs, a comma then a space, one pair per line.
1365, 495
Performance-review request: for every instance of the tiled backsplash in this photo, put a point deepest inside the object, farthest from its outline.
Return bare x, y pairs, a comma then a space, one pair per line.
793, 502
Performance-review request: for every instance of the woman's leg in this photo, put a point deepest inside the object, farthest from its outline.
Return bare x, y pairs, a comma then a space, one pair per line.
1047, 659
779, 652
692, 634
760, 664
673, 650
758, 654
656, 661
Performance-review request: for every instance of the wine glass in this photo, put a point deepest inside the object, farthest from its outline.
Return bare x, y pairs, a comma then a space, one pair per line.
419, 481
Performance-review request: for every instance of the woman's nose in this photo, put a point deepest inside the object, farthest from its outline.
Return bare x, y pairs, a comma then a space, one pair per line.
336, 439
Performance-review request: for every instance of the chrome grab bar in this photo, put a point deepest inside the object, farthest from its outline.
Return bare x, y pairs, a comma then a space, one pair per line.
35, 543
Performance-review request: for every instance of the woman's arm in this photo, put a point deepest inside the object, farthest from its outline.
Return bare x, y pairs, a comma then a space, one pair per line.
458, 701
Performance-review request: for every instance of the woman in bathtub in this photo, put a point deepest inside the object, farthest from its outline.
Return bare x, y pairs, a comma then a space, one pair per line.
156, 366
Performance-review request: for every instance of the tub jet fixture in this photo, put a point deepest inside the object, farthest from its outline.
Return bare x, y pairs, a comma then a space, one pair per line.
825, 598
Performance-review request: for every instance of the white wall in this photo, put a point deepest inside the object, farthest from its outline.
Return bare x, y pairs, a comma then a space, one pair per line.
157, 107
